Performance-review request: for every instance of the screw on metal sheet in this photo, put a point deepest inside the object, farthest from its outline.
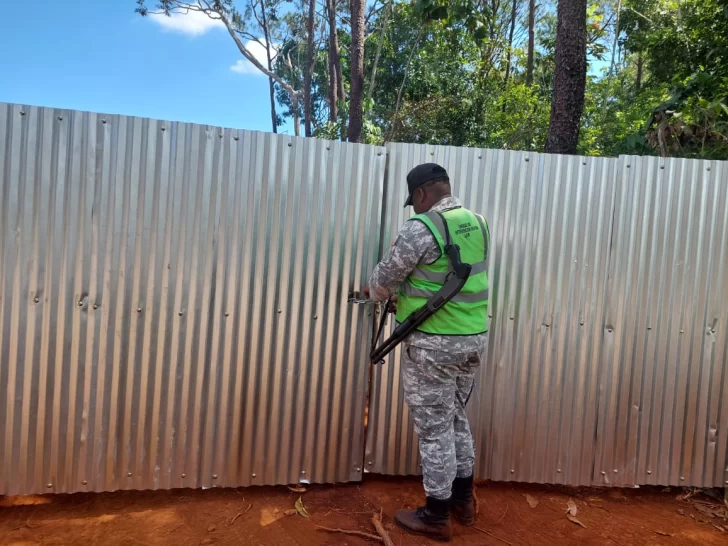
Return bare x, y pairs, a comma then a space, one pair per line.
279, 311
615, 471
512, 318
370, 463
480, 157
214, 476
290, 144
682, 478
36, 300
254, 475
432, 153
379, 153
583, 162
96, 306
628, 166
604, 473
80, 304
128, 474
84, 482
649, 472
139, 309
662, 167
513, 471
163, 128
682, 331
707, 169
184, 475
22, 113
60, 118
180, 313
220, 135
227, 314
649, 327
609, 330
315, 317
49, 486
236, 138
558, 470
303, 472
103, 121
528, 159
358, 469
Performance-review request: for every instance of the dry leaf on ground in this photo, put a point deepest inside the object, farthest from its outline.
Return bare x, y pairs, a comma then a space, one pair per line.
572, 519
571, 508
571, 511
301, 509
533, 503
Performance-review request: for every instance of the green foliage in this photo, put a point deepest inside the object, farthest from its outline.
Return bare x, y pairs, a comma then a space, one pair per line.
441, 70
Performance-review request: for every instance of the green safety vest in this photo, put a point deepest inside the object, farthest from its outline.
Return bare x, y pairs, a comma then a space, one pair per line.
467, 313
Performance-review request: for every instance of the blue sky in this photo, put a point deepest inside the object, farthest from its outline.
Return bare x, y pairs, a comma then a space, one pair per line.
98, 55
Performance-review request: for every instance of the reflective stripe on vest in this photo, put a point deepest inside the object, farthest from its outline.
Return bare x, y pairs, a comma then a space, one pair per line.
467, 312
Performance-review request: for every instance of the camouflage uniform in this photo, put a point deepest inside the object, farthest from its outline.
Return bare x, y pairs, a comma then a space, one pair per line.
437, 371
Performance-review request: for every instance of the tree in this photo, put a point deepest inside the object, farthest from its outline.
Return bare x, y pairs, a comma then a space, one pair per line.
310, 22
226, 12
356, 101
531, 40
569, 78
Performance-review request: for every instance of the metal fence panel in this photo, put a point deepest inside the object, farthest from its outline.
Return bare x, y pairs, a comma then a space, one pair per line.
534, 411
663, 417
173, 303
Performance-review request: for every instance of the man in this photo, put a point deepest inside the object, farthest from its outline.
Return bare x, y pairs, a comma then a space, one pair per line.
439, 359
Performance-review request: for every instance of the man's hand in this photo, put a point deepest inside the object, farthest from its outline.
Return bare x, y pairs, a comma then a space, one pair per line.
392, 308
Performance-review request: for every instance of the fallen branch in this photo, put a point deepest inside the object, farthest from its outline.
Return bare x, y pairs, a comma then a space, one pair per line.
492, 535
353, 533
234, 518
377, 521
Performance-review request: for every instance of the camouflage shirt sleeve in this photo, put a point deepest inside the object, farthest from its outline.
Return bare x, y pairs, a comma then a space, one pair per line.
415, 244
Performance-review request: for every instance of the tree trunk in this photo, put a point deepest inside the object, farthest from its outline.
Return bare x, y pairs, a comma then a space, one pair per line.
356, 99
382, 34
296, 116
269, 58
309, 67
638, 79
567, 104
333, 62
509, 55
531, 40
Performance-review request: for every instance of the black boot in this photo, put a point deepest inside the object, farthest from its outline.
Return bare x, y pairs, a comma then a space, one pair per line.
463, 508
431, 521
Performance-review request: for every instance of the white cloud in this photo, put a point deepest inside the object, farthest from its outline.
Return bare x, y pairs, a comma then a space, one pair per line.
192, 23
244, 66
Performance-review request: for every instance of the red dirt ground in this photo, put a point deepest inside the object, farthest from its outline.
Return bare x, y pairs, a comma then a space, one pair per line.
182, 517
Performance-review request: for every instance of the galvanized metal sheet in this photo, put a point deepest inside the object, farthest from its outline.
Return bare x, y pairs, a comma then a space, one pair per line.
663, 419
534, 410
173, 303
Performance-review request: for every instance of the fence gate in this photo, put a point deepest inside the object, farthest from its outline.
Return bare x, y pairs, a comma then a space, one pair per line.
173, 304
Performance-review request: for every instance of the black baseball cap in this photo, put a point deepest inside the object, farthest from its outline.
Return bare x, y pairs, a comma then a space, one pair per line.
422, 174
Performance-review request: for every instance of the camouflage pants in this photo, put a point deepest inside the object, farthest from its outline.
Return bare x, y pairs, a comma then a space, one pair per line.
437, 385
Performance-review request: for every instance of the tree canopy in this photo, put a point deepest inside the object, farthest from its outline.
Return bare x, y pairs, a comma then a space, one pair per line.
490, 73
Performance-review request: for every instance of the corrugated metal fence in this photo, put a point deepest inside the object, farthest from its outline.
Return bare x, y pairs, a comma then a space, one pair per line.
173, 310
173, 304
